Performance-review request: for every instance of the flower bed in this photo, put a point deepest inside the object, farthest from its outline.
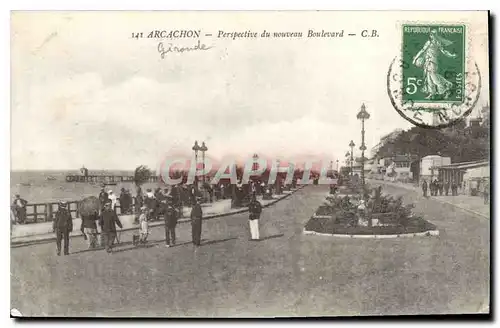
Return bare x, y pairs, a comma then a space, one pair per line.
332, 226
371, 213
324, 210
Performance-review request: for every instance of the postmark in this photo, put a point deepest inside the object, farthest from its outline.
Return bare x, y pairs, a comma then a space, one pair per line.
433, 83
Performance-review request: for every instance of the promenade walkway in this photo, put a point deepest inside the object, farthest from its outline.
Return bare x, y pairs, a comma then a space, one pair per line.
41, 232
472, 204
286, 273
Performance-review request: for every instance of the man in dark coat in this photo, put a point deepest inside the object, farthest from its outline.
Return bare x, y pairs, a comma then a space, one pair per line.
150, 202
19, 206
103, 198
108, 221
210, 191
89, 229
254, 208
433, 188
62, 226
447, 187
424, 188
223, 191
170, 222
196, 217
454, 188
175, 192
160, 202
440, 187
486, 191
123, 201
130, 200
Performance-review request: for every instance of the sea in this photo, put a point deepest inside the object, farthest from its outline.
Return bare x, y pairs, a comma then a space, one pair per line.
51, 186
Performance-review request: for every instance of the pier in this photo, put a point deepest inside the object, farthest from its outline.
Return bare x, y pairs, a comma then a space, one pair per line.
105, 178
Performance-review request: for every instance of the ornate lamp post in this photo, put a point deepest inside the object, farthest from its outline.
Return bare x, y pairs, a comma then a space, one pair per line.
196, 149
254, 165
277, 183
337, 166
203, 149
351, 144
363, 115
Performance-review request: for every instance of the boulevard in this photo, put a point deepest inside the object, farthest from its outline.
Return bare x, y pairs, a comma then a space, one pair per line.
285, 274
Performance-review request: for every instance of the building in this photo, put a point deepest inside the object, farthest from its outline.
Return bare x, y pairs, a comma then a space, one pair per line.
429, 166
398, 168
371, 166
471, 176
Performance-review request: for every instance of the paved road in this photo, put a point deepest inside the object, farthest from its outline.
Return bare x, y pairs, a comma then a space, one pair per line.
286, 274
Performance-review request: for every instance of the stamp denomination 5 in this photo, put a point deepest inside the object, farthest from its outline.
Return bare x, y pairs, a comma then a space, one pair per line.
437, 83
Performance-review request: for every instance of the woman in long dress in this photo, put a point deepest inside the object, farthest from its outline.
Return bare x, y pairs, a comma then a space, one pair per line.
143, 225
427, 58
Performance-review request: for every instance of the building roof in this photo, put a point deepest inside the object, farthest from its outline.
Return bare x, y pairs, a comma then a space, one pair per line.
465, 165
432, 157
402, 158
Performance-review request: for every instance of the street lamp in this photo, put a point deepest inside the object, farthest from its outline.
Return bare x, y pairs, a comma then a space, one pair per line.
203, 149
337, 166
351, 144
363, 115
347, 159
196, 149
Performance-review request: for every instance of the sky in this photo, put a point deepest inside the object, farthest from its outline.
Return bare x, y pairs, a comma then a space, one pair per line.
84, 92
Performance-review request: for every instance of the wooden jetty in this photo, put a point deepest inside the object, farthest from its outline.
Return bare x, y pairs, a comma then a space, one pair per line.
106, 179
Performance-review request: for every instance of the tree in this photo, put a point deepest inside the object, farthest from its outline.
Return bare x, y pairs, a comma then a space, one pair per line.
141, 175
485, 112
456, 142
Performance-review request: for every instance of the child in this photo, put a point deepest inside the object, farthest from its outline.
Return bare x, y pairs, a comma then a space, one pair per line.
143, 225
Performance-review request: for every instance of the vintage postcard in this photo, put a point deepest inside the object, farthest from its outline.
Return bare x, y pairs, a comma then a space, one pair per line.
249, 164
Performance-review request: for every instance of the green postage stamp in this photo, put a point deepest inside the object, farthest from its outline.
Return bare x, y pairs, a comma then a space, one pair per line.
433, 63
434, 82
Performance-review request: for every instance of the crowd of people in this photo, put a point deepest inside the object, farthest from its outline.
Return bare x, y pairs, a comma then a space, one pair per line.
108, 221
438, 187
160, 204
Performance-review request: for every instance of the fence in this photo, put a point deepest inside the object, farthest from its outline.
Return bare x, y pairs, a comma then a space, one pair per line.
45, 212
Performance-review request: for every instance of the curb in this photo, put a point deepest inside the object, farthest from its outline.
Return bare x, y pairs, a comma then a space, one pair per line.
159, 223
314, 216
427, 233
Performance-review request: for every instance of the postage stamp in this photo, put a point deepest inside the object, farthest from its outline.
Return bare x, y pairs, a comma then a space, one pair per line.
437, 82
436, 57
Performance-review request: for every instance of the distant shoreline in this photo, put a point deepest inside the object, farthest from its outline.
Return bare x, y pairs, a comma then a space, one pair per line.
70, 171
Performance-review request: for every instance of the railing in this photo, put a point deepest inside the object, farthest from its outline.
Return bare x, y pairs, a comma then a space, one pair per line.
45, 212
106, 178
